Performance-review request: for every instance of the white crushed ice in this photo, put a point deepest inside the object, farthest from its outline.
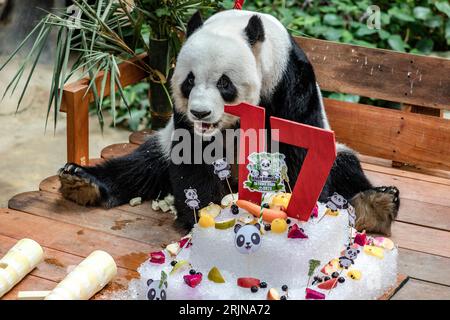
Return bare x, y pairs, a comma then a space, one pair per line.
279, 261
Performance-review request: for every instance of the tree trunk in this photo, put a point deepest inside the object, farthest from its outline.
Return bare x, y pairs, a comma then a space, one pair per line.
160, 107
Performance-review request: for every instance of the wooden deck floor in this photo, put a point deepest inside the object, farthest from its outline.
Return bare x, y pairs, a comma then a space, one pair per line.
69, 232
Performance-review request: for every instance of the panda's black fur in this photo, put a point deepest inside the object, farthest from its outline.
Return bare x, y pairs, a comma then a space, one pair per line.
148, 173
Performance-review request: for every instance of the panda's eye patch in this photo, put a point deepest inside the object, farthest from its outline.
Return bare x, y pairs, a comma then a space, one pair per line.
240, 240
256, 238
226, 88
187, 85
163, 294
151, 294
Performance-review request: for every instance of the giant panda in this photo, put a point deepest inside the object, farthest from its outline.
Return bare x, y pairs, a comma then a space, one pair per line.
234, 56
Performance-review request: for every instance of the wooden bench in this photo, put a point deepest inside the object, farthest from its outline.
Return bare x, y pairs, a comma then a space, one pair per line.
415, 139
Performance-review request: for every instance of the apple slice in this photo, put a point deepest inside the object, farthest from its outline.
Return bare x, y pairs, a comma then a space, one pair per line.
212, 210
314, 295
193, 280
180, 265
225, 224
248, 282
173, 248
273, 294
215, 276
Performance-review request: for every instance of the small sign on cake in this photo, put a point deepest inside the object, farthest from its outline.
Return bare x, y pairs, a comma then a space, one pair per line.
265, 172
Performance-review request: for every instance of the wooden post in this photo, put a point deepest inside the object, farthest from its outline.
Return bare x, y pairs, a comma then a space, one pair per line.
77, 107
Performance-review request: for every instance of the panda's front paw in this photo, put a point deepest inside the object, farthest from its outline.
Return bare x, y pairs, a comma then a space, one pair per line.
78, 185
394, 193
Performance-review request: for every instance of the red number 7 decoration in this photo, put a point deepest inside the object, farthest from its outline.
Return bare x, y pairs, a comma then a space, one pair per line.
317, 165
321, 153
251, 117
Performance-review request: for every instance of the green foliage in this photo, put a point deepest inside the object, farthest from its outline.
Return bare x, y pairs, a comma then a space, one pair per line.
101, 35
416, 26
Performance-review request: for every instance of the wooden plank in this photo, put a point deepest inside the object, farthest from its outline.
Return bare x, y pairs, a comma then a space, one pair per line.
400, 172
57, 264
52, 184
391, 134
421, 290
29, 283
378, 73
77, 240
154, 228
421, 239
77, 128
139, 137
424, 266
365, 159
401, 281
424, 214
131, 71
118, 150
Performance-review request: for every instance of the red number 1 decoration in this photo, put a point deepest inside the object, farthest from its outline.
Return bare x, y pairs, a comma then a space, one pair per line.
253, 118
319, 159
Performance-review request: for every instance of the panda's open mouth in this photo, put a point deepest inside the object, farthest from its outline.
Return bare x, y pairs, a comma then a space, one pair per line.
206, 128
248, 247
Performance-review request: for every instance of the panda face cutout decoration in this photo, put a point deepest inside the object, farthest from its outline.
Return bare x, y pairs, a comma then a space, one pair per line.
336, 202
156, 290
222, 169
247, 238
192, 200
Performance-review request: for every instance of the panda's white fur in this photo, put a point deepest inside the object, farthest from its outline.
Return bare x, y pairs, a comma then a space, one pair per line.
220, 46
265, 67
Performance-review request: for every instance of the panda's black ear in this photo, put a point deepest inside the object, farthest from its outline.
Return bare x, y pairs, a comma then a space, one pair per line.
254, 30
194, 23
237, 227
258, 226
149, 282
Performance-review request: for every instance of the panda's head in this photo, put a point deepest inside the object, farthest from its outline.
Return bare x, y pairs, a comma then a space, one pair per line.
265, 164
191, 194
351, 253
339, 201
156, 290
217, 66
220, 164
247, 238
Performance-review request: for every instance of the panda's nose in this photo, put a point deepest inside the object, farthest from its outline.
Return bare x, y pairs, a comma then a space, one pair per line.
200, 114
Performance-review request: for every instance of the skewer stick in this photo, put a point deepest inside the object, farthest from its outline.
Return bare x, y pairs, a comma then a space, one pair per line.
195, 216
231, 191
289, 186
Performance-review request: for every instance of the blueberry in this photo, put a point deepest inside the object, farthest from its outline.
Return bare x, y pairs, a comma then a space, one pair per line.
173, 263
288, 221
284, 288
263, 285
266, 205
254, 289
234, 209
326, 278
283, 298
199, 273
335, 274
192, 271
341, 280
267, 227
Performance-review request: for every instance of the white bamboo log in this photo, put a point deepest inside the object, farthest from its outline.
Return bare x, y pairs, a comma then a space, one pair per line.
23, 257
88, 278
